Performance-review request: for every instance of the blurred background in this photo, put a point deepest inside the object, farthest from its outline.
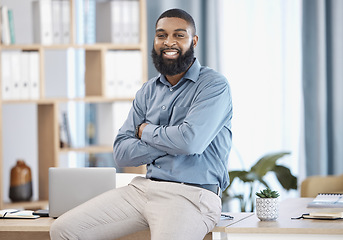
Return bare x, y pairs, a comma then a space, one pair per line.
282, 58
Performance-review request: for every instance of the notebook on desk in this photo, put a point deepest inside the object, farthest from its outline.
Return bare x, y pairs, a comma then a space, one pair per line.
69, 187
327, 200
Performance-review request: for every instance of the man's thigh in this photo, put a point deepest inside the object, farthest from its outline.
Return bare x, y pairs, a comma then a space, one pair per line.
175, 211
110, 215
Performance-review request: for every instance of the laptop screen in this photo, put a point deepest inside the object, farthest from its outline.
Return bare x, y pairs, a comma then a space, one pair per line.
69, 187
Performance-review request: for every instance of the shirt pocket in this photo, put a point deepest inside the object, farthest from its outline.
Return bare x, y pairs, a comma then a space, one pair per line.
178, 115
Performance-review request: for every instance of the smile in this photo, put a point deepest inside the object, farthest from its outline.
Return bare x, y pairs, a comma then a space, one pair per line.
170, 53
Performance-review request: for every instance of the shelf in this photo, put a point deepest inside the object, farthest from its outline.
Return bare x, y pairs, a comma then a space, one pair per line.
95, 99
54, 100
89, 149
27, 47
110, 46
21, 101
96, 46
49, 109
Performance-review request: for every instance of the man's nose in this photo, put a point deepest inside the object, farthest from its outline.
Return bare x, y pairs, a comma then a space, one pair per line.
169, 41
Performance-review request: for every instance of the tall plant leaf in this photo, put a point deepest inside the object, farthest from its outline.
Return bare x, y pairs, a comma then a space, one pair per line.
255, 175
285, 177
267, 163
242, 175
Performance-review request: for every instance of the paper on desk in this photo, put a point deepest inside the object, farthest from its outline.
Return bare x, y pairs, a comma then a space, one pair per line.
15, 213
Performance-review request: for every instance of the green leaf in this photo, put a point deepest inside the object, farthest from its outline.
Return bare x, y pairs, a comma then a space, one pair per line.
267, 163
256, 174
242, 175
285, 177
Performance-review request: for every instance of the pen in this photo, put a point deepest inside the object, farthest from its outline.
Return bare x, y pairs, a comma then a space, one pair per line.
226, 216
11, 211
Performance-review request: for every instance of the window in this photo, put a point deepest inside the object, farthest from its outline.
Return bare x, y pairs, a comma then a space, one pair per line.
260, 42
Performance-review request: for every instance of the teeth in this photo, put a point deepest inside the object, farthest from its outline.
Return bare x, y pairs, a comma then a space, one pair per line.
171, 53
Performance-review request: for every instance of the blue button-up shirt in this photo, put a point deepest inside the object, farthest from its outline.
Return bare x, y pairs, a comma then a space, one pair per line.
188, 138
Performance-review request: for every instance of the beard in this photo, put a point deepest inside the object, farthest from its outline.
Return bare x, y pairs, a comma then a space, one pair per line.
171, 67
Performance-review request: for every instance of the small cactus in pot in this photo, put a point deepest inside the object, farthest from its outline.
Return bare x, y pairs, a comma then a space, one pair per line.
268, 193
267, 205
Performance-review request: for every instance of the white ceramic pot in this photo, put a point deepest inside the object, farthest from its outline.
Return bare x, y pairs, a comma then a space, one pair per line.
267, 209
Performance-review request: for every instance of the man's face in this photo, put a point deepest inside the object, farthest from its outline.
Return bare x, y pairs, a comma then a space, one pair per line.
173, 50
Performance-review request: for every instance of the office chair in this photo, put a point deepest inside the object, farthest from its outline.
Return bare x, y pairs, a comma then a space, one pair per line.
313, 185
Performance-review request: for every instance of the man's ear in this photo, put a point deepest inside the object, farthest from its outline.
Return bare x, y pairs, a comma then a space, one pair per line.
195, 40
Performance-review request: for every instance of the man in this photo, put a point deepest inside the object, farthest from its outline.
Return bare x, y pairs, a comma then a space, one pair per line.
180, 126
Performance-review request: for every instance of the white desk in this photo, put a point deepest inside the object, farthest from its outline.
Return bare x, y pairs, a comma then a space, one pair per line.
284, 227
244, 226
29, 229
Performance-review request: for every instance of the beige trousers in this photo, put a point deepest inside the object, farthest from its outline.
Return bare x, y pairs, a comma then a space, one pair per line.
172, 211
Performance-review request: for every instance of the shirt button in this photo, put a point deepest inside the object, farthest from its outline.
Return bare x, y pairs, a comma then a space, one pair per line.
170, 89
158, 166
163, 107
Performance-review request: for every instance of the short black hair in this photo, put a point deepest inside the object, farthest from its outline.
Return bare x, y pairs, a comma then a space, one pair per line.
178, 13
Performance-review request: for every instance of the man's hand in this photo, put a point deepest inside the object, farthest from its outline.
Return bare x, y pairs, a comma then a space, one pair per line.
141, 127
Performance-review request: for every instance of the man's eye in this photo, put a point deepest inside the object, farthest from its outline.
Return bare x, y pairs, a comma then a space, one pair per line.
180, 35
161, 35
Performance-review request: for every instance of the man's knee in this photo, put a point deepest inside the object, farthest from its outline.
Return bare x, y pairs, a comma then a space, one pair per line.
57, 230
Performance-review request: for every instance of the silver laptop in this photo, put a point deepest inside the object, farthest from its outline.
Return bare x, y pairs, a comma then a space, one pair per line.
69, 187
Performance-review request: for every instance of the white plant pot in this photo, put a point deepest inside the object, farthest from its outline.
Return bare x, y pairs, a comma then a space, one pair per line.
267, 209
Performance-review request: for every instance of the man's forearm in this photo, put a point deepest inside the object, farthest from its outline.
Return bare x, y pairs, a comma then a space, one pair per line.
129, 151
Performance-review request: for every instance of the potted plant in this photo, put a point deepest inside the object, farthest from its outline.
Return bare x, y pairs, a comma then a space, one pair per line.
267, 205
253, 178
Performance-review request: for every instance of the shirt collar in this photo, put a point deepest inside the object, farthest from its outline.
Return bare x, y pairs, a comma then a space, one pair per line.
194, 71
191, 74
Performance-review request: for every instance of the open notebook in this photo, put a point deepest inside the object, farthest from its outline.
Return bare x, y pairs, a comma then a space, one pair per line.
15, 213
327, 200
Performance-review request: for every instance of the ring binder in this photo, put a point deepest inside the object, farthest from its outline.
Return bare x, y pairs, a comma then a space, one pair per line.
327, 200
